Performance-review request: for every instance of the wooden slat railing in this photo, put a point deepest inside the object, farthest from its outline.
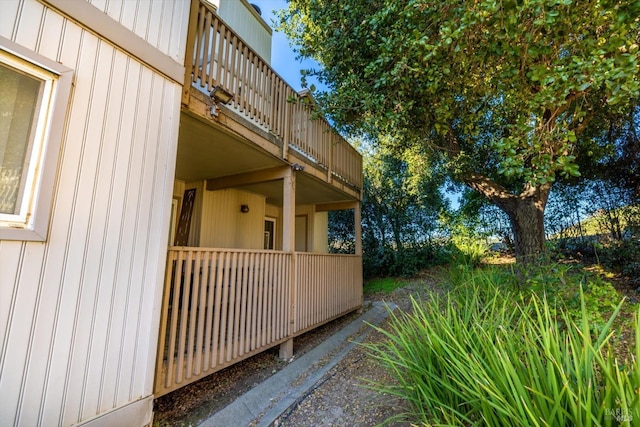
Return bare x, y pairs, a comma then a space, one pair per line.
327, 286
221, 306
221, 58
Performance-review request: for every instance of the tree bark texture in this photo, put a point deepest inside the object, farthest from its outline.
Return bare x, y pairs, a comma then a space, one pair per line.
525, 212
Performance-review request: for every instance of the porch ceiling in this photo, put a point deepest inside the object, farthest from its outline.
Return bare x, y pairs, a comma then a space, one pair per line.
206, 151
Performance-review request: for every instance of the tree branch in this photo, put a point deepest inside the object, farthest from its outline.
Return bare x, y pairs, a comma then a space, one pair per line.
491, 190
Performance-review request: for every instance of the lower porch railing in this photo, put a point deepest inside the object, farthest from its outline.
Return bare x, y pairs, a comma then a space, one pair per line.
221, 306
327, 286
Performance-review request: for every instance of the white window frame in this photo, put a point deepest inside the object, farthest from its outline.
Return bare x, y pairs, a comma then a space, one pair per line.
33, 217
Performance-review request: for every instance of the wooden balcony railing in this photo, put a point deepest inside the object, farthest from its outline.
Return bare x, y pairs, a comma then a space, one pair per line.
221, 58
221, 306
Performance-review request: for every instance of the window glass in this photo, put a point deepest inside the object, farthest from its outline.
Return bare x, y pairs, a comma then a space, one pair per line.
19, 106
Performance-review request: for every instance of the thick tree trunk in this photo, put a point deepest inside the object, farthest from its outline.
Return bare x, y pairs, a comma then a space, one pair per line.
527, 224
525, 212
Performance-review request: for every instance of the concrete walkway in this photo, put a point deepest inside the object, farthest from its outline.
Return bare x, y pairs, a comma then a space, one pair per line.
264, 403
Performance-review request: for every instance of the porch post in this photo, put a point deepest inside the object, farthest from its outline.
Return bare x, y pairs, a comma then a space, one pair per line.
357, 224
288, 245
289, 211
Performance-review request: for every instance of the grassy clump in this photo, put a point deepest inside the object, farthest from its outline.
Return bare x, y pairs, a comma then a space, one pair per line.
383, 284
485, 355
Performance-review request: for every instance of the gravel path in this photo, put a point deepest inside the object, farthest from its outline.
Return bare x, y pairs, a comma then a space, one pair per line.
341, 397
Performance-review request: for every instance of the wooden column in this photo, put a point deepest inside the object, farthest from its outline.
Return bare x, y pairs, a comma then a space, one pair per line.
357, 225
357, 230
189, 59
288, 245
289, 211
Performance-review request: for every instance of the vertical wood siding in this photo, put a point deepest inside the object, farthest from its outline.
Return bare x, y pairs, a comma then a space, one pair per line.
250, 28
78, 315
146, 17
224, 226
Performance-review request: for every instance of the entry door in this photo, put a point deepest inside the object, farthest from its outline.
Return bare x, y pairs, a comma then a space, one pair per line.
269, 232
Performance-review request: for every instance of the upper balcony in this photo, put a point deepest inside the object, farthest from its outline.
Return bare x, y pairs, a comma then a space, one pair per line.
263, 109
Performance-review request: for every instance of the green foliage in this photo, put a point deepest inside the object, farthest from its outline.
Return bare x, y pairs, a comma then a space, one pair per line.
341, 232
400, 209
562, 285
484, 355
384, 285
567, 289
624, 257
381, 261
502, 96
468, 249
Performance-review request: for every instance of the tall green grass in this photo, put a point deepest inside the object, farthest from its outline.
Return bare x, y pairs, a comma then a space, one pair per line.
484, 355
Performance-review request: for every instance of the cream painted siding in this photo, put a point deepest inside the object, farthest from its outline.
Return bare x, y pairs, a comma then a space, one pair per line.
161, 23
224, 226
240, 16
321, 232
79, 312
276, 212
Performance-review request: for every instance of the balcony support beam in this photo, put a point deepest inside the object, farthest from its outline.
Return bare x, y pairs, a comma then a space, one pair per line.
264, 175
338, 206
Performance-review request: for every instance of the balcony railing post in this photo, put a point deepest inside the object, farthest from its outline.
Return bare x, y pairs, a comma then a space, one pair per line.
189, 56
287, 125
331, 159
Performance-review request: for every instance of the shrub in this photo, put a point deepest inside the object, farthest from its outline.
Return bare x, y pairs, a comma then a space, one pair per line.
380, 261
468, 249
622, 256
485, 355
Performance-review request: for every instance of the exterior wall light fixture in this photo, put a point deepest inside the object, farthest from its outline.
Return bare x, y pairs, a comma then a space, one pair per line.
244, 208
219, 95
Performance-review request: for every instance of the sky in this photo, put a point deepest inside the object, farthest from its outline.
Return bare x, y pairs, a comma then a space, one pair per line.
282, 54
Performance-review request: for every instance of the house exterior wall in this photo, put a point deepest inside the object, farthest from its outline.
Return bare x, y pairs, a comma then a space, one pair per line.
224, 226
160, 23
321, 232
217, 222
317, 227
246, 22
79, 311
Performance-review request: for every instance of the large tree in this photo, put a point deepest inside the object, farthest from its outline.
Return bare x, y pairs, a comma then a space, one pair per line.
507, 92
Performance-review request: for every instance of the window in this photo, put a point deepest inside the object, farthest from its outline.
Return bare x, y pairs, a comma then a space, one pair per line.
34, 93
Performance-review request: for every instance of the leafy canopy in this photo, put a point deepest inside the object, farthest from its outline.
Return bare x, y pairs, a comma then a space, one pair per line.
505, 89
